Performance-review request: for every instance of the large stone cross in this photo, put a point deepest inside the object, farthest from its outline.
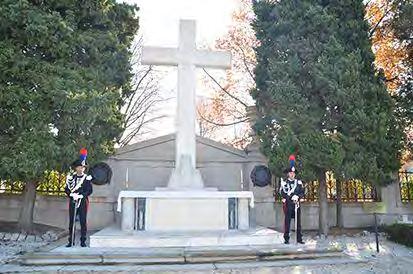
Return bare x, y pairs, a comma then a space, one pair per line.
187, 58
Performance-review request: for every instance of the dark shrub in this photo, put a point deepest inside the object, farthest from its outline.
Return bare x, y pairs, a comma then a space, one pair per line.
400, 233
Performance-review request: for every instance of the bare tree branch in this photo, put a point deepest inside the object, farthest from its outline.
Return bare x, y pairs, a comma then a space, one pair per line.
392, 79
140, 106
389, 7
244, 60
222, 124
224, 90
137, 86
142, 102
138, 130
143, 112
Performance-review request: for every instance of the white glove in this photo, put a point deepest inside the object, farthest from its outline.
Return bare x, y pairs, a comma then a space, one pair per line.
283, 200
76, 196
295, 198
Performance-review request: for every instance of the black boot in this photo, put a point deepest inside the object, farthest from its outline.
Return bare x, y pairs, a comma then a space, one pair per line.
69, 244
300, 238
83, 244
286, 239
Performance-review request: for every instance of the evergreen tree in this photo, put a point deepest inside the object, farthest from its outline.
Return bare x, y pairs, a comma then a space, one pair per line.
402, 24
318, 95
64, 73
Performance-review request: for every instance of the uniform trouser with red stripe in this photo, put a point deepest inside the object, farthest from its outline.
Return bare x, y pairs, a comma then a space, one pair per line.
289, 212
82, 212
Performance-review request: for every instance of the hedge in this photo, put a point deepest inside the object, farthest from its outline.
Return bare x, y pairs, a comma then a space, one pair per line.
400, 233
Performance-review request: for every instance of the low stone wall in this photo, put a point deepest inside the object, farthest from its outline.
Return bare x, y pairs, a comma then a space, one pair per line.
53, 211
355, 215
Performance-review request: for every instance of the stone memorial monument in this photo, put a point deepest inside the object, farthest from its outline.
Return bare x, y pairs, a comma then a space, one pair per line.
185, 206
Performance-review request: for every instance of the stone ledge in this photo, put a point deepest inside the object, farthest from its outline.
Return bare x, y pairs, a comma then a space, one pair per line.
113, 237
96, 256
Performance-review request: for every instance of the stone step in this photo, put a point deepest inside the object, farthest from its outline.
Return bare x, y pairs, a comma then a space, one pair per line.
90, 256
113, 237
222, 267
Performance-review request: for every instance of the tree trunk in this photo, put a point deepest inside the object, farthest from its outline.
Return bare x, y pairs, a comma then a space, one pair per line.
26, 211
323, 205
339, 205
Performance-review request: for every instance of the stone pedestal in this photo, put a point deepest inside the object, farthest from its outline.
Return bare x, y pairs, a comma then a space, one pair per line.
185, 210
186, 214
128, 209
113, 237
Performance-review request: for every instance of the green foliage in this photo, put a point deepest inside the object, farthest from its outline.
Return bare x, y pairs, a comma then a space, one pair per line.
406, 186
402, 25
52, 183
317, 92
64, 74
400, 233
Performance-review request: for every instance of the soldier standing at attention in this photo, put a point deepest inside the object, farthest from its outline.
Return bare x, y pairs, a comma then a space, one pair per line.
291, 191
78, 188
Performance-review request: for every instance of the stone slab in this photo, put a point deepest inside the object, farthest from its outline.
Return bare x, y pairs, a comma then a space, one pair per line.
114, 237
223, 267
284, 263
133, 259
186, 214
62, 261
192, 194
150, 256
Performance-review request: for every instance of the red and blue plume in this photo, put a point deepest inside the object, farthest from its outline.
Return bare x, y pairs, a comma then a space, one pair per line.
292, 161
83, 155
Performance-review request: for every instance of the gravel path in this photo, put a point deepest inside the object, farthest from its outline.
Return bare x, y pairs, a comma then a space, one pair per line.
14, 244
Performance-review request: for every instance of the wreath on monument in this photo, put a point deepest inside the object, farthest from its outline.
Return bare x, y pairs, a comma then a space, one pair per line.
261, 176
101, 173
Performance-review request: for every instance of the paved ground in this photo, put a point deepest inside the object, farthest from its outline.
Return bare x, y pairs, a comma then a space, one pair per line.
393, 258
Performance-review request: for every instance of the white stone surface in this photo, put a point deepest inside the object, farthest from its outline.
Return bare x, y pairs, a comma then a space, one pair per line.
243, 214
187, 58
186, 214
185, 194
128, 213
184, 210
114, 237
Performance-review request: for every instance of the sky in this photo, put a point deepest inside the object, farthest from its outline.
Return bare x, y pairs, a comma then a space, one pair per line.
159, 22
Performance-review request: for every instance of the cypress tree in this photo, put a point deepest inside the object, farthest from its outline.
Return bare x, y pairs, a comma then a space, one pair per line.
318, 95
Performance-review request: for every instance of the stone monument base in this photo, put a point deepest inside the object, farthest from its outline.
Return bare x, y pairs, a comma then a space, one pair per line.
163, 211
113, 237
